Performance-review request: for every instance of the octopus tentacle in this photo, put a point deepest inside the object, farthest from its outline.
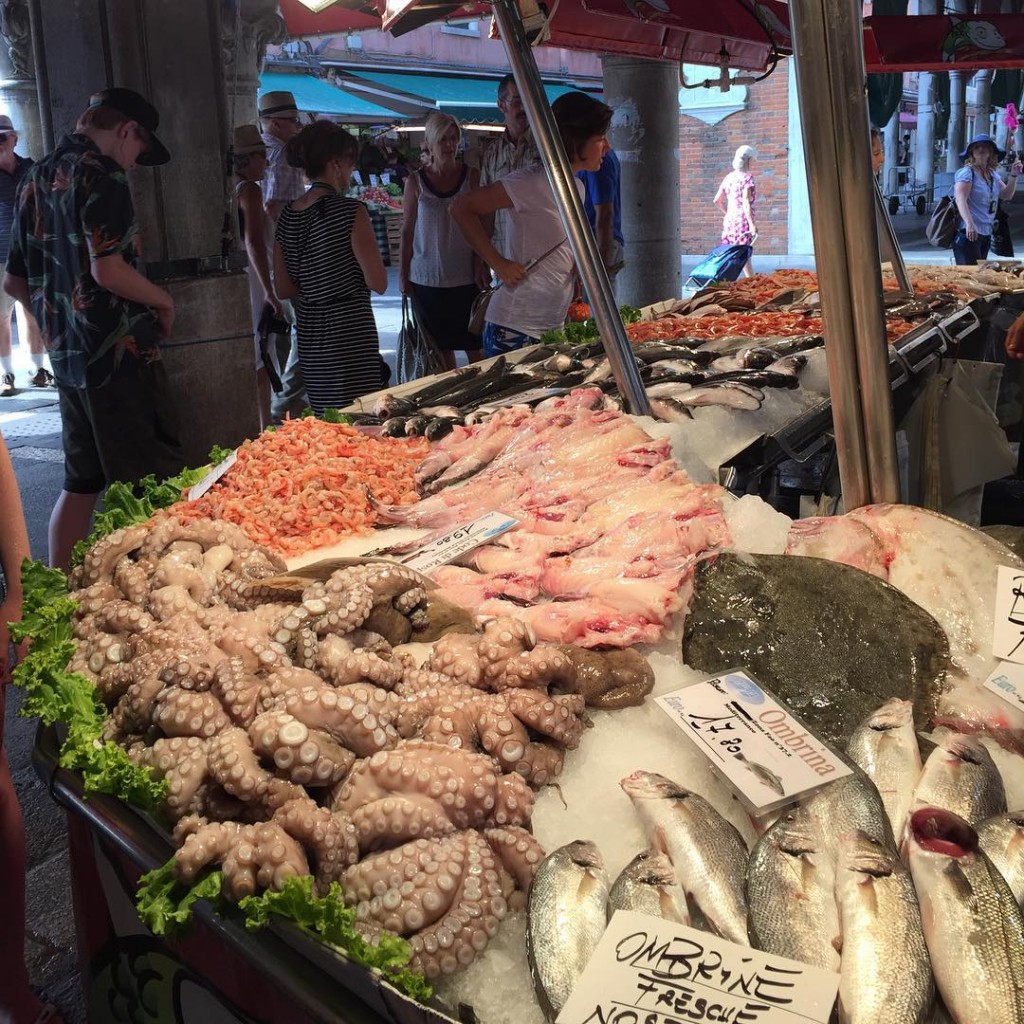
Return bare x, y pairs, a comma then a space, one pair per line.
556, 717
329, 838
132, 581
456, 656
358, 716
178, 712
237, 690
502, 638
207, 844
94, 597
444, 894
520, 855
257, 655
362, 666
306, 756
102, 558
180, 760
113, 681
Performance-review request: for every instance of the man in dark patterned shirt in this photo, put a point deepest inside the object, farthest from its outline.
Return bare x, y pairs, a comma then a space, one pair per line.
72, 260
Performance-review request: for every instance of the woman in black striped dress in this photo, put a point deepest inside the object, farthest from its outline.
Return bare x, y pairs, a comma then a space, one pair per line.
326, 260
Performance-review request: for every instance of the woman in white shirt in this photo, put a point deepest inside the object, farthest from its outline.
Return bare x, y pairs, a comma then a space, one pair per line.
438, 270
531, 303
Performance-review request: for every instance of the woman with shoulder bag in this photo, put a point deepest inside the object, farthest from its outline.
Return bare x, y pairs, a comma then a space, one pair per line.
537, 281
977, 190
438, 269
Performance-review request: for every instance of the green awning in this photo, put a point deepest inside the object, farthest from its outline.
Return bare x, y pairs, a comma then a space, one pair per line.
316, 96
468, 99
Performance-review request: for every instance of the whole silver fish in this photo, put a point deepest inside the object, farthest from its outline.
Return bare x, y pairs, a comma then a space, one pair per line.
707, 853
847, 805
972, 924
648, 885
790, 901
727, 396
885, 746
567, 916
667, 389
886, 975
960, 776
1002, 840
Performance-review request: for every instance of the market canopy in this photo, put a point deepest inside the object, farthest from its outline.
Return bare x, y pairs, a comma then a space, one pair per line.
947, 42
316, 96
471, 99
693, 31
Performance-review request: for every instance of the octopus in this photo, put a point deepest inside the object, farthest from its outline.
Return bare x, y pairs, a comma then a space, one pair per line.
423, 790
445, 895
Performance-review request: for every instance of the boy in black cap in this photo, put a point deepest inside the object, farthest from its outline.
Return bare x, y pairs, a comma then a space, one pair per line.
72, 262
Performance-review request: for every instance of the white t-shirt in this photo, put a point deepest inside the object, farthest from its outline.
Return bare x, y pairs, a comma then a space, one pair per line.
539, 303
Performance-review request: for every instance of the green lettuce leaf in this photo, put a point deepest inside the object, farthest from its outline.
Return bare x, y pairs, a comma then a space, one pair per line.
165, 904
334, 923
219, 454
334, 416
55, 695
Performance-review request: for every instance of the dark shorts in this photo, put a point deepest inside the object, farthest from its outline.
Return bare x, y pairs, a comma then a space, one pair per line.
444, 314
121, 431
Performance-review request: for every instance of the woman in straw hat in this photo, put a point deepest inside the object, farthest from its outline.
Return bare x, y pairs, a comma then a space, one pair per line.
249, 159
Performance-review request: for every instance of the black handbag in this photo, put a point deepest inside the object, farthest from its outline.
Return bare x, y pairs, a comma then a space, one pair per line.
943, 223
1002, 243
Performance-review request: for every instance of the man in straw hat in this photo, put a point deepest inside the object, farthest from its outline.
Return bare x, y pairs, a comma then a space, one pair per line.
73, 250
12, 171
279, 117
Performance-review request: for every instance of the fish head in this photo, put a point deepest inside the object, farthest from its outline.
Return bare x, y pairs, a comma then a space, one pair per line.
642, 785
584, 853
864, 855
653, 868
893, 714
967, 750
796, 835
937, 831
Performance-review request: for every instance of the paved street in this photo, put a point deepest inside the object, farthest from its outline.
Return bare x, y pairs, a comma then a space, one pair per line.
30, 424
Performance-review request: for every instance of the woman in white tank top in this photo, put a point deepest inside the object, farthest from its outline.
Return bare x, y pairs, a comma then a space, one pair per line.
438, 269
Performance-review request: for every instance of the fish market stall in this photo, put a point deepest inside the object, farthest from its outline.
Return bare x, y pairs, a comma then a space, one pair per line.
308, 736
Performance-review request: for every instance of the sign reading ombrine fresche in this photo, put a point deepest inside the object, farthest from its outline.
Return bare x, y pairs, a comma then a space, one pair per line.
649, 971
767, 754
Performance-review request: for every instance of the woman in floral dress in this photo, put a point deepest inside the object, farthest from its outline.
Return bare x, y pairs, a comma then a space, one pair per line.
738, 194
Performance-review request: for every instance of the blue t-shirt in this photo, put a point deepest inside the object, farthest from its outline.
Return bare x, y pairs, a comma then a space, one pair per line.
982, 198
603, 187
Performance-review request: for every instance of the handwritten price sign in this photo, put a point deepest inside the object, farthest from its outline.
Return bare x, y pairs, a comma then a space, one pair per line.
649, 971
1008, 638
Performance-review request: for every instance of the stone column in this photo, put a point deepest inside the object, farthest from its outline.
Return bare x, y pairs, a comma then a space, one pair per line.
645, 133
18, 96
247, 28
891, 141
172, 53
957, 119
983, 100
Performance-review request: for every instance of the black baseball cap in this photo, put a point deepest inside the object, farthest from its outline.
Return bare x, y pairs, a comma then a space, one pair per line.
136, 108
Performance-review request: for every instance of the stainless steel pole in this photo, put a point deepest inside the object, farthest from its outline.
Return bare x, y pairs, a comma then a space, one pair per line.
829, 56
570, 207
889, 244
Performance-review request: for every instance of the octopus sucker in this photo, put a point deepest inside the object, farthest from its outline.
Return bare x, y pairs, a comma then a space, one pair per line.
328, 837
102, 558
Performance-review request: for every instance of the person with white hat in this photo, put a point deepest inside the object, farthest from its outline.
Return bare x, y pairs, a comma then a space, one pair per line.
12, 170
282, 183
977, 189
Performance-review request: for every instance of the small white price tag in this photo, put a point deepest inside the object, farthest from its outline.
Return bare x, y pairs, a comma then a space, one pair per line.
199, 489
1008, 633
649, 971
1008, 682
457, 542
767, 754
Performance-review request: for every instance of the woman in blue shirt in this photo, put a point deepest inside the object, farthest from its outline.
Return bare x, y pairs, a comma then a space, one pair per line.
977, 190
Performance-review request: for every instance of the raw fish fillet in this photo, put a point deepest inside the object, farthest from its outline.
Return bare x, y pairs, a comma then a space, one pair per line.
839, 539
